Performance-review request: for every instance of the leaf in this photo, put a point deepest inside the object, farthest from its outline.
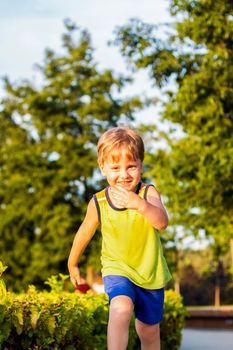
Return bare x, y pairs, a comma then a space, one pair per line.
3, 291
17, 319
51, 324
35, 315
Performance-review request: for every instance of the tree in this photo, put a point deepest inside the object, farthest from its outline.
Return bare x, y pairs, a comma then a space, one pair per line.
193, 68
48, 165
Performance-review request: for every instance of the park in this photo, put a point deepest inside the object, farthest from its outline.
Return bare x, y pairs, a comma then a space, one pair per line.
49, 173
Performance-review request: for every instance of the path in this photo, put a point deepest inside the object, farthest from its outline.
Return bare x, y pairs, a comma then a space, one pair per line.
195, 339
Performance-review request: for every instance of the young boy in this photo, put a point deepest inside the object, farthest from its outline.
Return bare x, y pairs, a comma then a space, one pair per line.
133, 266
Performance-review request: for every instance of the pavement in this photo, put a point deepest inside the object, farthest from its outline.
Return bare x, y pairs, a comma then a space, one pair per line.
195, 339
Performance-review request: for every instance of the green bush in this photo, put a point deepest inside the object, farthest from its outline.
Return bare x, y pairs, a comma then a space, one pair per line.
67, 321
43, 320
173, 321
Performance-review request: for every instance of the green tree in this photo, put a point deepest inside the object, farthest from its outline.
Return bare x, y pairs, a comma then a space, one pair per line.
193, 68
48, 165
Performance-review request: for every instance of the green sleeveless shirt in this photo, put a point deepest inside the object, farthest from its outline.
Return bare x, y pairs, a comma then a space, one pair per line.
131, 247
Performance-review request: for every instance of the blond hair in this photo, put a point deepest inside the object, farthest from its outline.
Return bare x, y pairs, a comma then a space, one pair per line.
112, 141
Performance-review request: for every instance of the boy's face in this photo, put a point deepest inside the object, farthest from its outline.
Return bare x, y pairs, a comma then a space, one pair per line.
124, 172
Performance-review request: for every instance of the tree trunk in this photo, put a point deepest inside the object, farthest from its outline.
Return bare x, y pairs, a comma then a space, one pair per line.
177, 286
231, 248
218, 281
217, 295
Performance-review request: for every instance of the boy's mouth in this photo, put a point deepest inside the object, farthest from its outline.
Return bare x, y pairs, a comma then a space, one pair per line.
124, 183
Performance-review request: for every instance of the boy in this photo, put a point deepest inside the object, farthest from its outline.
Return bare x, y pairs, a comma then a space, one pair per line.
133, 267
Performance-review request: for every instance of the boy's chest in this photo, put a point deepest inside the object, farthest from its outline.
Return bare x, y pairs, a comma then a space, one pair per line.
125, 222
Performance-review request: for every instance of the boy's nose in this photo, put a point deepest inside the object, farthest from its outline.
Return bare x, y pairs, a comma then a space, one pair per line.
123, 173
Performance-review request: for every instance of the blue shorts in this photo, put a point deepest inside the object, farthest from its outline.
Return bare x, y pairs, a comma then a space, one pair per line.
148, 303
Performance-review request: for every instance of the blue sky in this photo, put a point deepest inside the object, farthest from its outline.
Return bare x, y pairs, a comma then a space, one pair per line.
27, 27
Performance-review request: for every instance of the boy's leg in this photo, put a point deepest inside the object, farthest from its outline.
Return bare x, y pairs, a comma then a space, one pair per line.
149, 335
120, 313
149, 313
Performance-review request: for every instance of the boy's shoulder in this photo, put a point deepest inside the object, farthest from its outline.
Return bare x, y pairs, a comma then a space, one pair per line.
100, 195
144, 189
144, 185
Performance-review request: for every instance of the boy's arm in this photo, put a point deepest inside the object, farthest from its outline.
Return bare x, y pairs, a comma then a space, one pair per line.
83, 236
151, 208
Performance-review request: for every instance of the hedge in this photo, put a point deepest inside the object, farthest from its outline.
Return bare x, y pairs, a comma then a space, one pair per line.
60, 320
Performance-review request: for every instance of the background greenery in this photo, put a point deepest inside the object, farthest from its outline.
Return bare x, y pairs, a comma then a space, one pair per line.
48, 138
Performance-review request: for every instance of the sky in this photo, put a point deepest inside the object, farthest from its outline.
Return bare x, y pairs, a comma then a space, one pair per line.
28, 27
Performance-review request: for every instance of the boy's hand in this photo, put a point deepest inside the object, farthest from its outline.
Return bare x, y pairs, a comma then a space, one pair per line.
75, 276
124, 198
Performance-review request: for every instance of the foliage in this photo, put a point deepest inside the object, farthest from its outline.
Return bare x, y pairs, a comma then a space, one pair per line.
173, 322
2, 283
61, 320
53, 321
48, 165
192, 66
56, 282
43, 320
198, 275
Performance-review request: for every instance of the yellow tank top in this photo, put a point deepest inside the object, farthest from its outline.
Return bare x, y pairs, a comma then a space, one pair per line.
131, 247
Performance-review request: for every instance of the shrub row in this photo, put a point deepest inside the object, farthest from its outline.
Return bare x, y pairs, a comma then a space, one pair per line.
68, 321
43, 320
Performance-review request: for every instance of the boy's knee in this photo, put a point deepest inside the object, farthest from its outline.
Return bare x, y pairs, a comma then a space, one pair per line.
121, 308
147, 333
